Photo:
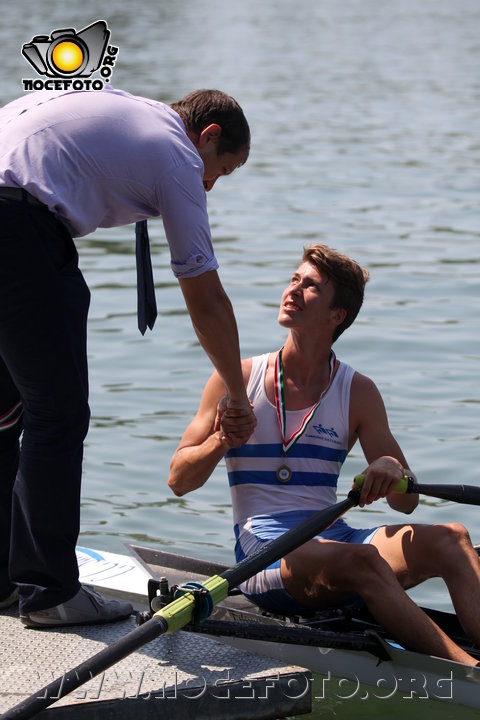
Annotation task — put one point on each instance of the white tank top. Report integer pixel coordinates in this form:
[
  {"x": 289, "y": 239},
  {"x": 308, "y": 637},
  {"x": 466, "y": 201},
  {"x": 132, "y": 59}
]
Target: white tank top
[{"x": 263, "y": 504}]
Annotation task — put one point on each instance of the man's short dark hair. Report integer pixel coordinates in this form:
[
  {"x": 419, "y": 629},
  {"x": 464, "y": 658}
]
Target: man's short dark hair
[{"x": 201, "y": 108}]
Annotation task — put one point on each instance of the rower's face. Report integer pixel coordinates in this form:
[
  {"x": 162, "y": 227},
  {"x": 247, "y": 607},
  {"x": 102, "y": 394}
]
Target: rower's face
[{"x": 307, "y": 299}]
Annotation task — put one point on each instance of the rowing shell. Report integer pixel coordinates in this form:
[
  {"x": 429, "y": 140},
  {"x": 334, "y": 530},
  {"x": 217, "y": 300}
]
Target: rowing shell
[{"x": 346, "y": 648}]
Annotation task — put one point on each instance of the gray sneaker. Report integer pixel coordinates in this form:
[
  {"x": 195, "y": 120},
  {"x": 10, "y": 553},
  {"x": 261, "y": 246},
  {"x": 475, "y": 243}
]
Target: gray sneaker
[
  {"x": 87, "y": 607},
  {"x": 11, "y": 599}
]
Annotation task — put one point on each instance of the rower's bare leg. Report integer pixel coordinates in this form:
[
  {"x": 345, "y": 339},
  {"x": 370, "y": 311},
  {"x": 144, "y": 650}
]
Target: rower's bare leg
[
  {"x": 418, "y": 552},
  {"x": 324, "y": 572}
]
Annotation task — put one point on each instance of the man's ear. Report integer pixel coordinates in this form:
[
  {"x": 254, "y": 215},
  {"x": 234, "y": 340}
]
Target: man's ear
[{"x": 210, "y": 133}]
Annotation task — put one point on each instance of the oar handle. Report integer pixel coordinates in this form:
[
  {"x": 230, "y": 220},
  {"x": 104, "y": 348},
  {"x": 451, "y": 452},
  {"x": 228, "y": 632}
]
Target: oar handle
[
  {"x": 406, "y": 485},
  {"x": 468, "y": 494}
]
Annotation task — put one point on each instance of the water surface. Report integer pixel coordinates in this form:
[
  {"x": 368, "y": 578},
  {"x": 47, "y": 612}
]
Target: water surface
[{"x": 365, "y": 127}]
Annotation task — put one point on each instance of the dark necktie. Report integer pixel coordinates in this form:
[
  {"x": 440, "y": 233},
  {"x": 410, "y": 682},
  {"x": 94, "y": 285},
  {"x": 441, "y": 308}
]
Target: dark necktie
[{"x": 146, "y": 304}]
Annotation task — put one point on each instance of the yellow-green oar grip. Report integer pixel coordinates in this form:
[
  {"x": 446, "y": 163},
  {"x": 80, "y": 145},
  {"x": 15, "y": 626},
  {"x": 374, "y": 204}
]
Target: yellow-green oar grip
[
  {"x": 400, "y": 488},
  {"x": 180, "y": 612}
]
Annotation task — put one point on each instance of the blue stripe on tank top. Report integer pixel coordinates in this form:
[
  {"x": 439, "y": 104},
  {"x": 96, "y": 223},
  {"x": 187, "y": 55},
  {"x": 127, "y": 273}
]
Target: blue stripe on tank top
[
  {"x": 268, "y": 477},
  {"x": 300, "y": 450}
]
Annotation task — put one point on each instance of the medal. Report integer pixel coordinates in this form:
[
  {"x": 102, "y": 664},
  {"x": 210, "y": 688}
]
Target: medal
[{"x": 284, "y": 473}]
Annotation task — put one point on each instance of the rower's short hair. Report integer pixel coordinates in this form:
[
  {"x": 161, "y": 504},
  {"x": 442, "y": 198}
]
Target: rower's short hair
[
  {"x": 348, "y": 277},
  {"x": 201, "y": 108}
]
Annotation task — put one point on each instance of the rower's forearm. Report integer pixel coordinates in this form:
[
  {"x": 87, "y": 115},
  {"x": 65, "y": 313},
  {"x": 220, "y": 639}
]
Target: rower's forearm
[{"x": 191, "y": 466}]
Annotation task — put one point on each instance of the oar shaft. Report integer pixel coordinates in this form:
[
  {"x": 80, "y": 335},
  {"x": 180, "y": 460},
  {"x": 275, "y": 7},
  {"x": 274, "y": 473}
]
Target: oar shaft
[{"x": 468, "y": 494}]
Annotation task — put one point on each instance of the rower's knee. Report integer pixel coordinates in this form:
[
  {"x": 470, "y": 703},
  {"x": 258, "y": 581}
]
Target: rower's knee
[
  {"x": 366, "y": 568},
  {"x": 445, "y": 548},
  {"x": 450, "y": 537}
]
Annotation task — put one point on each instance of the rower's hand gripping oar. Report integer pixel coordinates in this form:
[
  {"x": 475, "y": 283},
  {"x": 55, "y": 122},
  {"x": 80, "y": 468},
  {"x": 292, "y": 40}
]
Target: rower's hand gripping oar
[
  {"x": 181, "y": 611},
  {"x": 469, "y": 494}
]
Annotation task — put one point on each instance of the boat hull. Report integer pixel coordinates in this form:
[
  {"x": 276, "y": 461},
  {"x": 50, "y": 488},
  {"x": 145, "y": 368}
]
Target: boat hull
[{"x": 352, "y": 674}]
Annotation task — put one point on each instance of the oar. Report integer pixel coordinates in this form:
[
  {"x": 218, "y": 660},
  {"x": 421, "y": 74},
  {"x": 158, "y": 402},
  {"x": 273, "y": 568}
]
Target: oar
[
  {"x": 469, "y": 494},
  {"x": 178, "y": 613}
]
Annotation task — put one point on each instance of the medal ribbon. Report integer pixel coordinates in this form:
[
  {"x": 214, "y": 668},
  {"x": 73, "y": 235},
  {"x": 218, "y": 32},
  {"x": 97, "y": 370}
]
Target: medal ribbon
[{"x": 288, "y": 443}]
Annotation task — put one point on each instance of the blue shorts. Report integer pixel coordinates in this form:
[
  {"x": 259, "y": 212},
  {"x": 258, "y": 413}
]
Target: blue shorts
[{"x": 266, "y": 588}]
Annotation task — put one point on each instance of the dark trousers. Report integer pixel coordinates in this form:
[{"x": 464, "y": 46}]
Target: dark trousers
[{"x": 44, "y": 304}]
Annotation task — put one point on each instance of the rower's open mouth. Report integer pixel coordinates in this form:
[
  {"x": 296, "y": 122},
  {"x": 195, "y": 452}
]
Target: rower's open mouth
[{"x": 289, "y": 305}]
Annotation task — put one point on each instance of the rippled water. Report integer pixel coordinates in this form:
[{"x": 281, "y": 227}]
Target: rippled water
[{"x": 365, "y": 125}]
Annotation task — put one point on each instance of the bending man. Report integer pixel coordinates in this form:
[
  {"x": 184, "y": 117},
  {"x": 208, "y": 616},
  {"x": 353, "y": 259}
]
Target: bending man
[{"x": 71, "y": 162}]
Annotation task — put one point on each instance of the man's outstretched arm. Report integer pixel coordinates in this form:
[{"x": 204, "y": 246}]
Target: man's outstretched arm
[{"x": 214, "y": 322}]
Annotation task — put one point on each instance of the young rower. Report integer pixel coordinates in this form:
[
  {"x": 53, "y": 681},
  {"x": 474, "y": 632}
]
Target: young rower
[{"x": 311, "y": 409}]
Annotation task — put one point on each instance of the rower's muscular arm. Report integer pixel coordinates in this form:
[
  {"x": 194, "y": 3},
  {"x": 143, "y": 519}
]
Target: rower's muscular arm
[
  {"x": 201, "y": 447},
  {"x": 387, "y": 463},
  {"x": 204, "y": 443}
]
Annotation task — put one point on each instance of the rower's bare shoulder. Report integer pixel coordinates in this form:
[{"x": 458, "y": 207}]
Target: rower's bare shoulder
[
  {"x": 246, "y": 369},
  {"x": 362, "y": 384},
  {"x": 365, "y": 397}
]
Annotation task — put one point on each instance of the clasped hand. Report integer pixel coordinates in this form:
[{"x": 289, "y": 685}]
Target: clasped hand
[{"x": 235, "y": 420}]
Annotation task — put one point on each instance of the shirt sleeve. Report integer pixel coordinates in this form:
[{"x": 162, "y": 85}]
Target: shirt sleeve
[{"x": 183, "y": 204}]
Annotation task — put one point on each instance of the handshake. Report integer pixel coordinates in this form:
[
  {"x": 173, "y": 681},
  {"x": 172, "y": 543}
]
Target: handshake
[{"x": 235, "y": 421}]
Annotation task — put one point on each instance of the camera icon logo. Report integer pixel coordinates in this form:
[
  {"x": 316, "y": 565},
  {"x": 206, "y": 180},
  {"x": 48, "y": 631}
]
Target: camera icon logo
[{"x": 66, "y": 54}]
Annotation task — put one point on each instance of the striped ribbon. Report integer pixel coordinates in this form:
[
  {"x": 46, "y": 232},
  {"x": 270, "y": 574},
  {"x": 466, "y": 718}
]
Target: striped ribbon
[{"x": 288, "y": 443}]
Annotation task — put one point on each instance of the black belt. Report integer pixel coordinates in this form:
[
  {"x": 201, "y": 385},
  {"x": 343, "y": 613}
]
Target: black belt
[{"x": 19, "y": 195}]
